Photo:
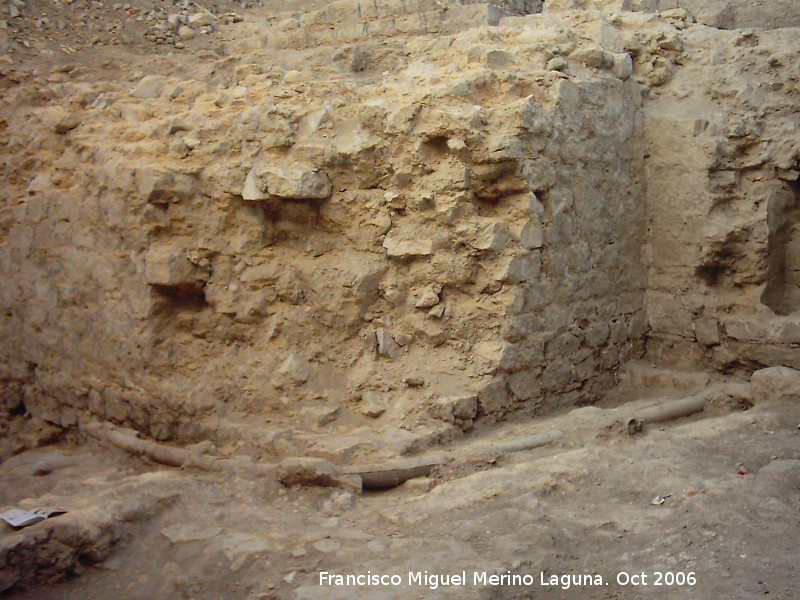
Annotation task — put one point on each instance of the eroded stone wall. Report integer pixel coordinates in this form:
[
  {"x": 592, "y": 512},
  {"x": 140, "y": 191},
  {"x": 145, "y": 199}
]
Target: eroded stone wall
[{"x": 364, "y": 228}]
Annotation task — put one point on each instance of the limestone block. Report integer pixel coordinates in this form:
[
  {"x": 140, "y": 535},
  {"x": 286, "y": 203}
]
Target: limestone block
[
  {"x": 706, "y": 330},
  {"x": 149, "y": 87},
  {"x": 452, "y": 409},
  {"x": 397, "y": 247},
  {"x": 387, "y": 346},
  {"x": 532, "y": 235},
  {"x": 622, "y": 65},
  {"x": 159, "y": 185},
  {"x": 290, "y": 182},
  {"x": 428, "y": 299},
  {"x": 169, "y": 267},
  {"x": 494, "y": 399},
  {"x": 499, "y": 59},
  {"x": 776, "y": 383},
  {"x": 591, "y": 56},
  {"x": 524, "y": 385}
]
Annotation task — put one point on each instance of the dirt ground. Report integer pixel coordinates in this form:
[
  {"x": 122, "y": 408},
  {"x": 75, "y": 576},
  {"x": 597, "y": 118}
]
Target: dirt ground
[{"x": 583, "y": 506}]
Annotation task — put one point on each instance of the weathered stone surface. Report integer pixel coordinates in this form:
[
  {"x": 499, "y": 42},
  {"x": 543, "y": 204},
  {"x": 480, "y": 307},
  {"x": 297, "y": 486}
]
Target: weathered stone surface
[
  {"x": 149, "y": 87},
  {"x": 776, "y": 383},
  {"x": 427, "y": 299},
  {"x": 288, "y": 182},
  {"x": 518, "y": 209},
  {"x": 169, "y": 267},
  {"x": 455, "y": 409},
  {"x": 68, "y": 123},
  {"x": 387, "y": 346},
  {"x": 402, "y": 248}
]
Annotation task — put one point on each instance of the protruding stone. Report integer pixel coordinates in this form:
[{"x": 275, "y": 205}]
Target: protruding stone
[
  {"x": 499, "y": 59},
  {"x": 532, "y": 235},
  {"x": 387, "y": 346},
  {"x": 372, "y": 405},
  {"x": 158, "y": 185},
  {"x": 706, "y": 331},
  {"x": 455, "y": 409},
  {"x": 149, "y": 87},
  {"x": 186, "y": 33},
  {"x": 406, "y": 248},
  {"x": 428, "y": 299},
  {"x": 437, "y": 312},
  {"x": 622, "y": 65},
  {"x": 266, "y": 182},
  {"x": 201, "y": 19},
  {"x": 591, "y": 56},
  {"x": 493, "y": 399},
  {"x": 68, "y": 123},
  {"x": 168, "y": 267},
  {"x": 776, "y": 383}
]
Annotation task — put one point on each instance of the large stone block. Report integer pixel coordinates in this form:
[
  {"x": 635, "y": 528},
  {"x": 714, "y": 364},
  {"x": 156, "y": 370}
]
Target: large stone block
[
  {"x": 170, "y": 268},
  {"x": 776, "y": 383},
  {"x": 286, "y": 181}
]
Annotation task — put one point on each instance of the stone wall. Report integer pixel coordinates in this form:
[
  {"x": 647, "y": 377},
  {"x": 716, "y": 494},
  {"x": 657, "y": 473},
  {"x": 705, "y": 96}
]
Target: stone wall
[
  {"x": 366, "y": 227},
  {"x": 723, "y": 201}
]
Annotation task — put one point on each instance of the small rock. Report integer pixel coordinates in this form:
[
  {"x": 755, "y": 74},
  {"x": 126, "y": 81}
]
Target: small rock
[
  {"x": 455, "y": 409},
  {"x": 414, "y": 382},
  {"x": 532, "y": 235},
  {"x": 290, "y": 182},
  {"x": 788, "y": 174},
  {"x": 176, "y": 125},
  {"x": 400, "y": 248},
  {"x": 149, "y": 87},
  {"x": 499, "y": 59},
  {"x": 403, "y": 339},
  {"x": 622, "y": 65},
  {"x": 202, "y": 19},
  {"x": 673, "y": 42},
  {"x": 372, "y": 405},
  {"x": 327, "y": 546},
  {"x": 68, "y": 123},
  {"x": 186, "y": 33},
  {"x": 319, "y": 416},
  {"x": 556, "y": 63},
  {"x": 418, "y": 485},
  {"x": 437, "y": 312},
  {"x": 591, "y": 56},
  {"x": 387, "y": 346},
  {"x": 776, "y": 383},
  {"x": 167, "y": 267},
  {"x": 428, "y": 299}
]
